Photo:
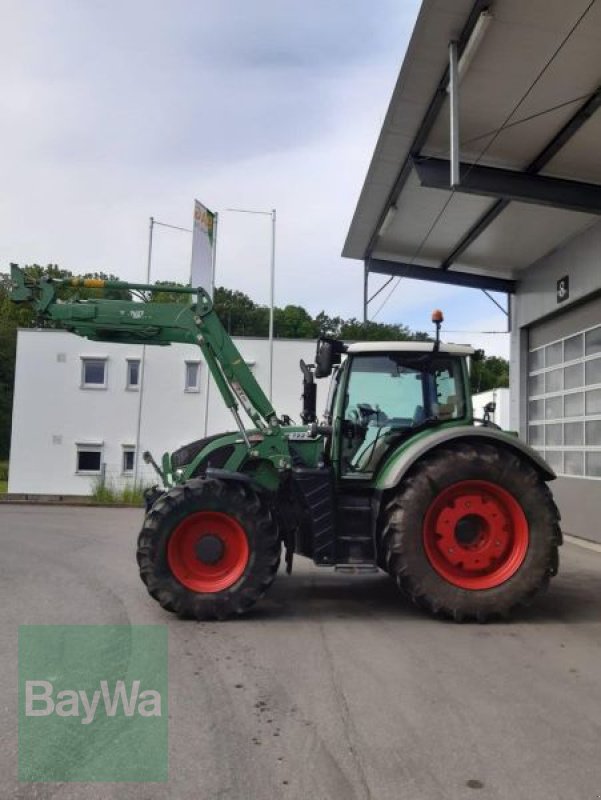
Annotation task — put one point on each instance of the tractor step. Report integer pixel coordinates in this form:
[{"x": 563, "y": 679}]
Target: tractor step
[
  {"x": 356, "y": 569},
  {"x": 354, "y": 542},
  {"x": 354, "y": 539}
]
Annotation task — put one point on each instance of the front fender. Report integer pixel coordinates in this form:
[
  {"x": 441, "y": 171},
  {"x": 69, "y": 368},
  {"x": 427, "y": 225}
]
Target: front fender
[{"x": 399, "y": 463}]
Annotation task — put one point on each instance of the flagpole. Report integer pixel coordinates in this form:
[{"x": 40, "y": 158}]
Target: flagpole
[
  {"x": 271, "y": 301},
  {"x": 142, "y": 368}
]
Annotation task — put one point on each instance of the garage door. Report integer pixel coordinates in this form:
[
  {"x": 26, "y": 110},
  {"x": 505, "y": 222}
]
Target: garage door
[{"x": 564, "y": 391}]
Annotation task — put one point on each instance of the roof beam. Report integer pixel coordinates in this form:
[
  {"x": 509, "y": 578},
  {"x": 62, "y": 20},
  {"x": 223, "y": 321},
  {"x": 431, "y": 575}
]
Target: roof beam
[
  {"x": 572, "y": 126},
  {"x": 422, "y": 273},
  {"x": 505, "y": 184}
]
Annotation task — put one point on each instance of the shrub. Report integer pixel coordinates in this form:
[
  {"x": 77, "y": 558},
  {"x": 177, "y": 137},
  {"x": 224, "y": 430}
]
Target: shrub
[{"x": 106, "y": 493}]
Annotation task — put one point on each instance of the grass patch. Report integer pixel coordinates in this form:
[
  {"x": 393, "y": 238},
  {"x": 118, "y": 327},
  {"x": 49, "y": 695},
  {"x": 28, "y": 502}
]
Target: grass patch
[
  {"x": 3, "y": 477},
  {"x": 106, "y": 493}
]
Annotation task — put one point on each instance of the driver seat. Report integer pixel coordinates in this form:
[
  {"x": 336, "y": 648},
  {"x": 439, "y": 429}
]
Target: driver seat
[{"x": 447, "y": 410}]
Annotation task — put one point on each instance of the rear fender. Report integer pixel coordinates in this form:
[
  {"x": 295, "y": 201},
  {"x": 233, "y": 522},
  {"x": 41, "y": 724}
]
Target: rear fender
[{"x": 399, "y": 464}]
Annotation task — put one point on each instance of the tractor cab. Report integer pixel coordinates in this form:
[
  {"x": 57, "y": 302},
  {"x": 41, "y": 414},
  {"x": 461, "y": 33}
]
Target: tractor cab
[{"x": 384, "y": 392}]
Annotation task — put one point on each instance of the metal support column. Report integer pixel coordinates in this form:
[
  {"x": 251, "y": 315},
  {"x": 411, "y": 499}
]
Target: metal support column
[
  {"x": 142, "y": 369},
  {"x": 454, "y": 114}
]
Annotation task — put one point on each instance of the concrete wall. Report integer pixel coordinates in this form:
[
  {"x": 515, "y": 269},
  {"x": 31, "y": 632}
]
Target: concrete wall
[
  {"x": 502, "y": 399},
  {"x": 52, "y": 413}
]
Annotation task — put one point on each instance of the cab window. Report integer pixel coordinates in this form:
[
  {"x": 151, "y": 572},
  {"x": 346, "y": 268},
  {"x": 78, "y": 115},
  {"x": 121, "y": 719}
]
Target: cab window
[
  {"x": 388, "y": 394},
  {"x": 447, "y": 400}
]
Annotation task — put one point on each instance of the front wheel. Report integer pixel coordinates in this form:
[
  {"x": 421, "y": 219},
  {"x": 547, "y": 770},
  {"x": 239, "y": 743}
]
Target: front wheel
[
  {"x": 472, "y": 532},
  {"x": 208, "y": 549}
]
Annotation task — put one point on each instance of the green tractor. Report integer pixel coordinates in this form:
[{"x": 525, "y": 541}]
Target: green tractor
[{"x": 398, "y": 475}]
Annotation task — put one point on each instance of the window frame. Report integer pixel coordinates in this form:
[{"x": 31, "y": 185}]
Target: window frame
[
  {"x": 129, "y": 386},
  {"x": 187, "y": 387},
  {"x": 126, "y": 449},
  {"x": 94, "y": 386},
  {"x": 90, "y": 447}
]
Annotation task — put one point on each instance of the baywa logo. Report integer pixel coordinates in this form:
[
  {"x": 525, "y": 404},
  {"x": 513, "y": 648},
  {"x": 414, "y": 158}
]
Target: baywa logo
[
  {"x": 40, "y": 701},
  {"x": 93, "y": 703}
]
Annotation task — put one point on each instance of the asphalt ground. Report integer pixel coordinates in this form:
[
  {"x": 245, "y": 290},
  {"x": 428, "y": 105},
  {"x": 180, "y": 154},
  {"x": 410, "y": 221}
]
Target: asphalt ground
[{"x": 332, "y": 687}]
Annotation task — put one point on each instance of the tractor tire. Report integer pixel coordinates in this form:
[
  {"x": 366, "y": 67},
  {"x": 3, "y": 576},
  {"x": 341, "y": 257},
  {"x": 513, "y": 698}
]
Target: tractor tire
[
  {"x": 208, "y": 549},
  {"x": 472, "y": 532}
]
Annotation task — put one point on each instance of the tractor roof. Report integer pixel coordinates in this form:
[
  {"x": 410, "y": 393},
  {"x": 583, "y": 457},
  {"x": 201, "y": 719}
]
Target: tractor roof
[{"x": 409, "y": 347}]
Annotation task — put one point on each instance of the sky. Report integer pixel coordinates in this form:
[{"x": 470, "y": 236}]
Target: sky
[{"x": 114, "y": 111}]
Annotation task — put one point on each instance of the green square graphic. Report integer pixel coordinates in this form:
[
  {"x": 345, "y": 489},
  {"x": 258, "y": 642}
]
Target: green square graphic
[{"x": 93, "y": 703}]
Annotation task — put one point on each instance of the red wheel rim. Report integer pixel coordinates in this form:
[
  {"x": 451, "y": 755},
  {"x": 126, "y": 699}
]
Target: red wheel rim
[
  {"x": 475, "y": 535},
  {"x": 208, "y": 551}
]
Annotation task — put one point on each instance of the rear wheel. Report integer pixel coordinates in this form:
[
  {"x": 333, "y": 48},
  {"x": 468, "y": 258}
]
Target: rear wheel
[
  {"x": 472, "y": 532},
  {"x": 208, "y": 549}
]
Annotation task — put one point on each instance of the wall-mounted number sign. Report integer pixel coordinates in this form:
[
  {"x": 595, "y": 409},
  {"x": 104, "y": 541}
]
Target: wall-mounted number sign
[{"x": 563, "y": 289}]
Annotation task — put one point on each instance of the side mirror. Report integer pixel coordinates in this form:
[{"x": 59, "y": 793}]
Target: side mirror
[
  {"x": 489, "y": 409},
  {"x": 328, "y": 354}
]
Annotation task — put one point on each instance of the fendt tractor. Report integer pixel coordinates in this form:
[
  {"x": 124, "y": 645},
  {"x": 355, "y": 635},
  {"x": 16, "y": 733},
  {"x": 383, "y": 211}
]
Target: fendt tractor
[{"x": 398, "y": 475}]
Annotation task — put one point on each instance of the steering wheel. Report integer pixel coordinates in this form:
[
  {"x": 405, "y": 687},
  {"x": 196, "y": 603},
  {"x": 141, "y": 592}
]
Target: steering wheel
[{"x": 363, "y": 413}]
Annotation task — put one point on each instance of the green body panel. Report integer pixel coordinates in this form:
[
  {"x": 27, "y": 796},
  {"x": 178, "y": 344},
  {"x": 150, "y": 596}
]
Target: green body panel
[
  {"x": 166, "y": 473},
  {"x": 393, "y": 458},
  {"x": 413, "y": 451},
  {"x": 337, "y": 415},
  {"x": 259, "y": 459}
]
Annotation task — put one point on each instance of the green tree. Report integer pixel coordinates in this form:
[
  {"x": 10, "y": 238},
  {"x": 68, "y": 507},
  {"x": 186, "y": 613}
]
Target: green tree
[
  {"x": 240, "y": 315},
  {"x": 354, "y": 330},
  {"x": 488, "y": 372},
  {"x": 169, "y": 297},
  {"x": 294, "y": 322}
]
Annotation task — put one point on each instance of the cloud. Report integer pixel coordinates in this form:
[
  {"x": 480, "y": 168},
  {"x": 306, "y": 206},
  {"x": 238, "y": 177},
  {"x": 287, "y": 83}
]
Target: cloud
[{"x": 118, "y": 111}]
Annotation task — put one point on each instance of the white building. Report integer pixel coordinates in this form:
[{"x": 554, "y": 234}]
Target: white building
[
  {"x": 77, "y": 404},
  {"x": 500, "y": 397}
]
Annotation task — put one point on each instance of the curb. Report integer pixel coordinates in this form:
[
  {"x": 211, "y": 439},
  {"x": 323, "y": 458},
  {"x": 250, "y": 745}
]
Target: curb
[{"x": 59, "y": 500}]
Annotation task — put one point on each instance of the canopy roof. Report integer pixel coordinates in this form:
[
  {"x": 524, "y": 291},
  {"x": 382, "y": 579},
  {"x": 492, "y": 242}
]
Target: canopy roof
[{"x": 529, "y": 133}]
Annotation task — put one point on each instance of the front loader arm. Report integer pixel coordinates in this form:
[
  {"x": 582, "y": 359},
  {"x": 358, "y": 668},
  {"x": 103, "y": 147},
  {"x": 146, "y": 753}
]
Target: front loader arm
[{"x": 132, "y": 322}]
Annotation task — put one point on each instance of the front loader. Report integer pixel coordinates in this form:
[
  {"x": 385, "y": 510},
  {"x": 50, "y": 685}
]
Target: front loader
[{"x": 398, "y": 476}]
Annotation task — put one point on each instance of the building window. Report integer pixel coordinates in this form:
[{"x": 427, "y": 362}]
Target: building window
[
  {"x": 133, "y": 374},
  {"x": 192, "y": 376},
  {"x": 128, "y": 460},
  {"x": 93, "y": 373},
  {"x": 89, "y": 459},
  {"x": 564, "y": 403}
]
